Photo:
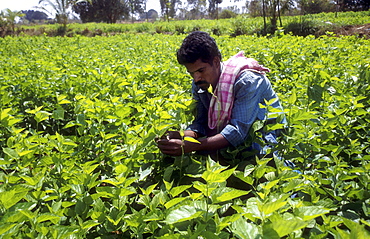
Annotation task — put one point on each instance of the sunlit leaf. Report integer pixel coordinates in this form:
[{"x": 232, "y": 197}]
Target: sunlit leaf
[{"x": 183, "y": 213}]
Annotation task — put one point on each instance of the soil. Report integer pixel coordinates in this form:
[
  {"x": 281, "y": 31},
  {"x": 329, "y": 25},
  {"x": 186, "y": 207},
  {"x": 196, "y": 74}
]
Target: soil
[{"x": 360, "y": 31}]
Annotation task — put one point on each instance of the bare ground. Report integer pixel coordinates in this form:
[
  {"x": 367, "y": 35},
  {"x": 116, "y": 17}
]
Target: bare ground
[{"x": 359, "y": 30}]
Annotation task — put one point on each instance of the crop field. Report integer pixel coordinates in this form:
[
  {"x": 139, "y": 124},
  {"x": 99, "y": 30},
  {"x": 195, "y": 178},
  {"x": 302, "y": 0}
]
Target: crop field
[{"x": 78, "y": 158}]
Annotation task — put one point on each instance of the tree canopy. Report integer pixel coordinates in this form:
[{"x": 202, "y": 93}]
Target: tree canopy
[
  {"x": 32, "y": 15},
  {"x": 102, "y": 10}
]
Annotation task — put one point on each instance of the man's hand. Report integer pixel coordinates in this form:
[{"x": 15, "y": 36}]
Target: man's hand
[
  {"x": 174, "y": 147},
  {"x": 171, "y": 135},
  {"x": 173, "y": 144}
]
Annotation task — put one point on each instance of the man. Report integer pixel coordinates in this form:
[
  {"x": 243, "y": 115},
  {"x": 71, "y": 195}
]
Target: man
[{"x": 228, "y": 97}]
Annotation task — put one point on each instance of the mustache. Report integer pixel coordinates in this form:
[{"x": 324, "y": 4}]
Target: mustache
[{"x": 201, "y": 82}]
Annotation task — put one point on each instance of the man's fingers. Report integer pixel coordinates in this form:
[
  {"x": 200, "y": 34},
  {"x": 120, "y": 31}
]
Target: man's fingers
[
  {"x": 174, "y": 135},
  {"x": 170, "y": 147}
]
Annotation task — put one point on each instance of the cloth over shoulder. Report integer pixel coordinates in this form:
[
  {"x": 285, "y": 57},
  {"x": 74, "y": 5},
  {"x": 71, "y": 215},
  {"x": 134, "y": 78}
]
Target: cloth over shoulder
[{"x": 221, "y": 104}]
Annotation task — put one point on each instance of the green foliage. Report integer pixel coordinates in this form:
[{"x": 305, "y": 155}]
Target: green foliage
[
  {"x": 303, "y": 28},
  {"x": 227, "y": 14},
  {"x": 240, "y": 25},
  {"x": 78, "y": 159}
]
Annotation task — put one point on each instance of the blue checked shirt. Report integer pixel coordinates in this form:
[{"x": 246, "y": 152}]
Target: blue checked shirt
[{"x": 250, "y": 89}]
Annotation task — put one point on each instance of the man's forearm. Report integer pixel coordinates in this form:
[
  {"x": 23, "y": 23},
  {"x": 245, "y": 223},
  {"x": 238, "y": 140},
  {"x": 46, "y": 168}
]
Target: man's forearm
[{"x": 215, "y": 142}]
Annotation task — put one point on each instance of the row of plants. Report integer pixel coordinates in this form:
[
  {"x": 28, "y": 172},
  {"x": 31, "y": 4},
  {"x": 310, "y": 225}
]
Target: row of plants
[
  {"x": 79, "y": 117},
  {"x": 314, "y": 24}
]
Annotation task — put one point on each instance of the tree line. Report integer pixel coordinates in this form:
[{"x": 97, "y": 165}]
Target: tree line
[{"x": 111, "y": 11}]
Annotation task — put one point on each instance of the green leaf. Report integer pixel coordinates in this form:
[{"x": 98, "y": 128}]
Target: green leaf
[
  {"x": 217, "y": 177},
  {"x": 4, "y": 113},
  {"x": 89, "y": 224},
  {"x": 6, "y": 227},
  {"x": 27, "y": 213},
  {"x": 179, "y": 189},
  {"x": 143, "y": 173},
  {"x": 206, "y": 189},
  {"x": 210, "y": 89},
  {"x": 251, "y": 211},
  {"x": 310, "y": 212},
  {"x": 170, "y": 236},
  {"x": 105, "y": 192},
  {"x": 191, "y": 139},
  {"x": 149, "y": 189},
  {"x": 12, "y": 197},
  {"x": 271, "y": 207},
  {"x": 357, "y": 230},
  {"x": 244, "y": 229},
  {"x": 226, "y": 194},
  {"x": 64, "y": 231},
  {"x": 281, "y": 227},
  {"x": 293, "y": 97},
  {"x": 11, "y": 152},
  {"x": 302, "y": 115},
  {"x": 183, "y": 213},
  {"x": 148, "y": 139},
  {"x": 58, "y": 114},
  {"x": 120, "y": 168},
  {"x": 41, "y": 116},
  {"x": 80, "y": 119},
  {"x": 168, "y": 185},
  {"x": 173, "y": 202},
  {"x": 247, "y": 179},
  {"x": 48, "y": 217}
]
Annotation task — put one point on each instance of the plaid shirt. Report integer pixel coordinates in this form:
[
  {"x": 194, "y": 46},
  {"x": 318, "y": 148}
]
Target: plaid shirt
[{"x": 250, "y": 89}]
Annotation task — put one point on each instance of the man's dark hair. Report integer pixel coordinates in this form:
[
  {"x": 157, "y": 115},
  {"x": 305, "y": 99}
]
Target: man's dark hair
[{"x": 198, "y": 45}]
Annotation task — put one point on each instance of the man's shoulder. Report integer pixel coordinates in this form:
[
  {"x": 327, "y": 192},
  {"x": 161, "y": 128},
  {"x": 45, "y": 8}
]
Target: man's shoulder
[{"x": 250, "y": 76}]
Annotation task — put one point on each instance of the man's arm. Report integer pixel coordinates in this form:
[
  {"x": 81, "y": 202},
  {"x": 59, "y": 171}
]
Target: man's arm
[
  {"x": 250, "y": 90},
  {"x": 176, "y": 147}
]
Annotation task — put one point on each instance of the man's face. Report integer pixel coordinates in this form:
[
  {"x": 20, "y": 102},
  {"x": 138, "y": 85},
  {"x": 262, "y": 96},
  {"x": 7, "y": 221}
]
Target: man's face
[{"x": 204, "y": 74}]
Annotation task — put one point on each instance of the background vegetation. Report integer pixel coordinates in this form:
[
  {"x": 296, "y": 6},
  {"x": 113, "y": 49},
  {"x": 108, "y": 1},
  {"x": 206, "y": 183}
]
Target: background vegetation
[
  {"x": 313, "y": 24},
  {"x": 271, "y": 12}
]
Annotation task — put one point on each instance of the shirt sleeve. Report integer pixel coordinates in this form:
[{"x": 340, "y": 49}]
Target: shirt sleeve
[{"x": 250, "y": 90}]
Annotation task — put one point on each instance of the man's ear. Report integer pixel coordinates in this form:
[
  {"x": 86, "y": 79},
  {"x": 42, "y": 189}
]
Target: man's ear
[{"x": 217, "y": 61}]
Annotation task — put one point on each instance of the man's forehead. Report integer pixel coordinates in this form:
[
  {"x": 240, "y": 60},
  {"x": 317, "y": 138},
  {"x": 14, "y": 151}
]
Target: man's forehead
[{"x": 196, "y": 66}]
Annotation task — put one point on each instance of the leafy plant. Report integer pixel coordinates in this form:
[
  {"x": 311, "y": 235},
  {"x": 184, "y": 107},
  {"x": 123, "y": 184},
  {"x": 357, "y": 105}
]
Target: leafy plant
[{"x": 78, "y": 158}]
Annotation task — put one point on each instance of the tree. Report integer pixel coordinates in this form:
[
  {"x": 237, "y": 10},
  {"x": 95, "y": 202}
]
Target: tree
[
  {"x": 101, "y": 10},
  {"x": 8, "y": 18},
  {"x": 61, "y": 8},
  {"x": 315, "y": 6},
  {"x": 32, "y": 15},
  {"x": 271, "y": 9},
  {"x": 255, "y": 8},
  {"x": 86, "y": 11},
  {"x": 169, "y": 8},
  {"x": 197, "y": 9},
  {"x": 136, "y": 6},
  {"x": 354, "y": 5},
  {"x": 227, "y": 13},
  {"x": 213, "y": 8},
  {"x": 149, "y": 15}
]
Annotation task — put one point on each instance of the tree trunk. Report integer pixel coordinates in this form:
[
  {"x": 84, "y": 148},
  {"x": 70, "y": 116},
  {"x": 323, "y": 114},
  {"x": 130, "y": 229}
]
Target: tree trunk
[
  {"x": 264, "y": 16},
  {"x": 279, "y": 14}
]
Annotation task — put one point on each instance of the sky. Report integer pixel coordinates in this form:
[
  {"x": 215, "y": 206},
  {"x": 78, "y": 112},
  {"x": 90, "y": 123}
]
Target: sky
[{"x": 18, "y": 5}]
